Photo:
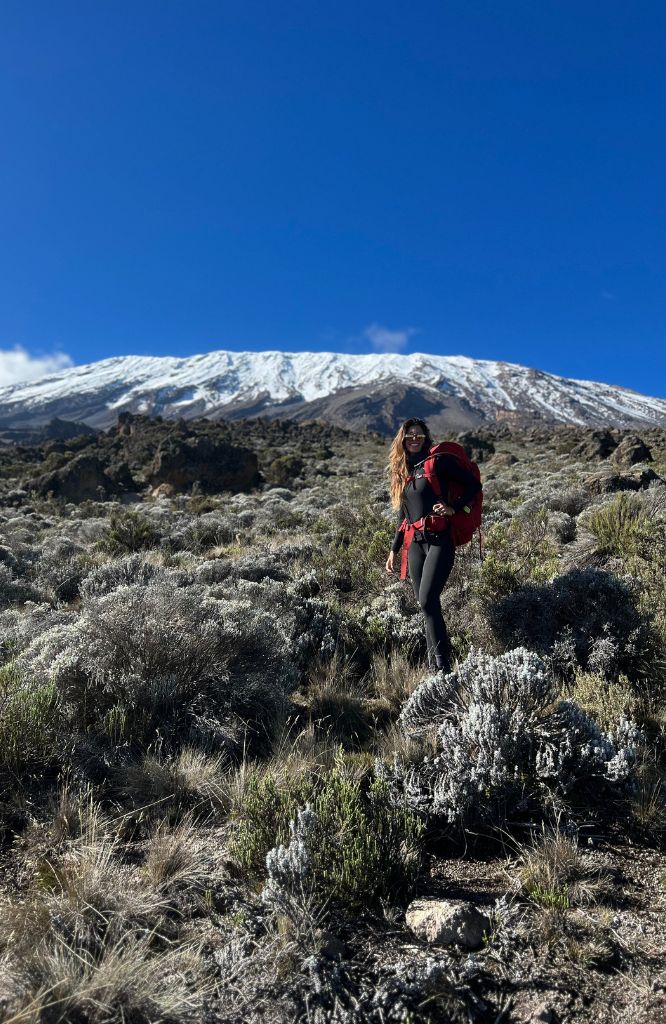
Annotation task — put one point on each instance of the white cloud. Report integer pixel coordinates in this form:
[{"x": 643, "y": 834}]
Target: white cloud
[
  {"x": 18, "y": 365},
  {"x": 383, "y": 339}
]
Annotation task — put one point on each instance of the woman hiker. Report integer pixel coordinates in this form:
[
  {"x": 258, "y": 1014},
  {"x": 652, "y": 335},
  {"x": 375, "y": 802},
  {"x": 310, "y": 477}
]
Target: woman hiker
[{"x": 431, "y": 549}]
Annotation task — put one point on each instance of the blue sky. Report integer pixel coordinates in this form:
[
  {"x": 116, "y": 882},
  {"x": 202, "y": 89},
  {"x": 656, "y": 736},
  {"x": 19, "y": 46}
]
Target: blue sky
[{"x": 470, "y": 178}]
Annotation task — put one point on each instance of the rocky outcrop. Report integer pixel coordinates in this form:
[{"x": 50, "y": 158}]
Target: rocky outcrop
[
  {"x": 630, "y": 451},
  {"x": 82, "y": 478},
  {"x": 204, "y": 464},
  {"x": 610, "y": 483},
  {"x": 56, "y": 429},
  {"x": 597, "y": 444},
  {"x": 478, "y": 447}
]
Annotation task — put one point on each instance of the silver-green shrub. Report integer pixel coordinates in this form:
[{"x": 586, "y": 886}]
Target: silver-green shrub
[
  {"x": 288, "y": 868},
  {"x": 309, "y": 626},
  {"x": 504, "y": 738},
  {"x": 154, "y": 656},
  {"x": 586, "y": 606},
  {"x": 61, "y": 568},
  {"x": 128, "y": 571},
  {"x": 14, "y": 590},
  {"x": 393, "y": 620}
]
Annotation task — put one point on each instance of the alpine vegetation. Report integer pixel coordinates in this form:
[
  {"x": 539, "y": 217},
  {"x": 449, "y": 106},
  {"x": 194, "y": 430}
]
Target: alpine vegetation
[
  {"x": 230, "y": 786},
  {"x": 504, "y": 740}
]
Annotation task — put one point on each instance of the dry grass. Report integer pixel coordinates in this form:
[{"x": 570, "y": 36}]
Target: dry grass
[
  {"x": 393, "y": 679},
  {"x": 190, "y": 779},
  {"x": 553, "y": 873},
  {"x": 125, "y": 981},
  {"x": 176, "y": 859},
  {"x": 336, "y": 704},
  {"x": 85, "y": 942},
  {"x": 393, "y": 743},
  {"x": 298, "y": 754},
  {"x": 89, "y": 892},
  {"x": 648, "y": 801}
]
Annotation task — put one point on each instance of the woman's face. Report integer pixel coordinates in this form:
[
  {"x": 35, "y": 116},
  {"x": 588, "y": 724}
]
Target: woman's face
[{"x": 414, "y": 439}]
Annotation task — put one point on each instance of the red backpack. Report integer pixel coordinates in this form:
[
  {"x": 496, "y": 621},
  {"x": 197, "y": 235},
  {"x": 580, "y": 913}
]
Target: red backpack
[{"x": 463, "y": 524}]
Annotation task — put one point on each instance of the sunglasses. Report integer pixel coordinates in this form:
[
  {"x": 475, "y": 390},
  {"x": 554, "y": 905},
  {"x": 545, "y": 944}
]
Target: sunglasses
[{"x": 414, "y": 437}]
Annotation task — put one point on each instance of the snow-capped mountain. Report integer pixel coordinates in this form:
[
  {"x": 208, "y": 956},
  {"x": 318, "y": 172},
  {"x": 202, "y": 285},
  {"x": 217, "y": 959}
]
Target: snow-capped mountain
[{"x": 374, "y": 391}]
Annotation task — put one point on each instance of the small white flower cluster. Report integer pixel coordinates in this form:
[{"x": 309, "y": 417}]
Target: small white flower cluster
[{"x": 288, "y": 867}]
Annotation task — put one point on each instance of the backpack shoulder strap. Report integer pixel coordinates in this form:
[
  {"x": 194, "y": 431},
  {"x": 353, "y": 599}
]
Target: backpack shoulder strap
[{"x": 430, "y": 468}]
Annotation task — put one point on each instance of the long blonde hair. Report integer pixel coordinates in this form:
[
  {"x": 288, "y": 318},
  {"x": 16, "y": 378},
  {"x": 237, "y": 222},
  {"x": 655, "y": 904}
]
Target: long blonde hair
[{"x": 397, "y": 469}]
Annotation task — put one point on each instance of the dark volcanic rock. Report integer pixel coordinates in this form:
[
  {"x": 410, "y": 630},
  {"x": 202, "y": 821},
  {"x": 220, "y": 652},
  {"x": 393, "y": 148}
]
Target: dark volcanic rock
[
  {"x": 211, "y": 465},
  {"x": 383, "y": 406},
  {"x": 478, "y": 447},
  {"x": 630, "y": 451},
  {"x": 597, "y": 444},
  {"x": 80, "y": 479},
  {"x": 121, "y": 476},
  {"x": 609, "y": 483},
  {"x": 56, "y": 429}
]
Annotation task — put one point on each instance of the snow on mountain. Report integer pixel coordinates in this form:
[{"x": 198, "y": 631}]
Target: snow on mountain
[{"x": 274, "y": 383}]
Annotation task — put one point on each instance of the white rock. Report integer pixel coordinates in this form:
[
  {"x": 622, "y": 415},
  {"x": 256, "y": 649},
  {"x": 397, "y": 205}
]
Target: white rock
[{"x": 444, "y": 922}]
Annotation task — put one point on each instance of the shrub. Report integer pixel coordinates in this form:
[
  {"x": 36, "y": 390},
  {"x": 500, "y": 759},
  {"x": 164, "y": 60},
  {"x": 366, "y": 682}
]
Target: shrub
[
  {"x": 28, "y": 719},
  {"x": 131, "y": 570},
  {"x": 283, "y": 470},
  {"x": 61, "y": 568},
  {"x": 358, "y": 538},
  {"x": 367, "y": 846},
  {"x": 354, "y": 845},
  {"x": 199, "y": 535},
  {"x": 563, "y": 526},
  {"x": 607, "y": 701},
  {"x": 128, "y": 531},
  {"x": 616, "y": 525},
  {"x": 571, "y": 501},
  {"x": 393, "y": 622},
  {"x": 580, "y": 609},
  {"x": 144, "y": 658},
  {"x": 256, "y": 566},
  {"x": 13, "y": 590},
  {"x": 19, "y": 628},
  {"x": 263, "y": 819},
  {"x": 308, "y": 625},
  {"x": 503, "y": 738},
  {"x": 517, "y": 551},
  {"x": 648, "y": 564}
]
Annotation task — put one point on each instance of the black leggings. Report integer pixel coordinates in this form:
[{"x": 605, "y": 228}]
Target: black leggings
[{"x": 430, "y": 566}]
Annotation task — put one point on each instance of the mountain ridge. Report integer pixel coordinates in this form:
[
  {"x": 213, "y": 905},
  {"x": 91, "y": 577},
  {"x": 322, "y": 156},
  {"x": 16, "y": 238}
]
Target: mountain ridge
[{"x": 373, "y": 391}]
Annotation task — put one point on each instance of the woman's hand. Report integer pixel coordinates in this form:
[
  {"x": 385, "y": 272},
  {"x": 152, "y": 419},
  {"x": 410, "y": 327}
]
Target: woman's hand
[
  {"x": 390, "y": 562},
  {"x": 443, "y": 510}
]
